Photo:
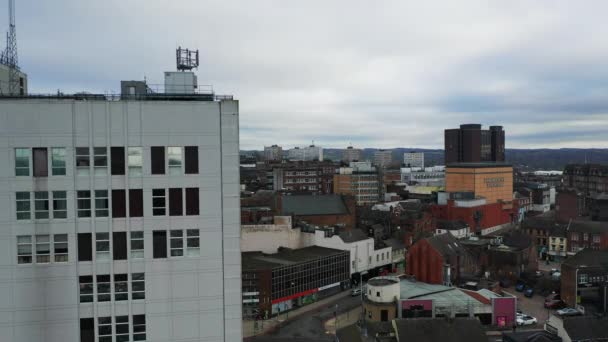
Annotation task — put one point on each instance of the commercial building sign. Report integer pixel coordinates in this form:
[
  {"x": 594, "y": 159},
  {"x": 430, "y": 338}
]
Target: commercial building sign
[{"x": 495, "y": 182}]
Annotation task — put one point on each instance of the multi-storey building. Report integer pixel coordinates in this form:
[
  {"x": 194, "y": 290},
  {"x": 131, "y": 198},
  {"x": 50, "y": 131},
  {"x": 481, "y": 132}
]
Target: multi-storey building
[
  {"x": 413, "y": 159},
  {"x": 383, "y": 158},
  {"x": 430, "y": 176},
  {"x": 586, "y": 178},
  {"x": 360, "y": 180},
  {"x": 120, "y": 218},
  {"x": 311, "y": 177},
  {"x": 308, "y": 153},
  {"x": 351, "y": 154},
  {"x": 471, "y": 144},
  {"x": 586, "y": 234},
  {"x": 273, "y": 153}
]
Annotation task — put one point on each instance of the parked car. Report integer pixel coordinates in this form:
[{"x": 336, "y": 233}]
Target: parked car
[
  {"x": 553, "y": 270},
  {"x": 538, "y": 274},
  {"x": 569, "y": 312},
  {"x": 357, "y": 291},
  {"x": 529, "y": 292},
  {"x": 556, "y": 275},
  {"x": 525, "y": 320},
  {"x": 552, "y": 296},
  {"x": 520, "y": 287},
  {"x": 555, "y": 304}
]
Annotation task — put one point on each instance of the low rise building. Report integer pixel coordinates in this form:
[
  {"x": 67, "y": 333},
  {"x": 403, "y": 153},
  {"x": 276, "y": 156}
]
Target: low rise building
[
  {"x": 578, "y": 329},
  {"x": 440, "y": 259},
  {"x": 291, "y": 278},
  {"x": 458, "y": 229},
  {"x": 584, "y": 277},
  {"x": 586, "y": 178},
  {"x": 586, "y": 234},
  {"x": 429, "y": 176}
]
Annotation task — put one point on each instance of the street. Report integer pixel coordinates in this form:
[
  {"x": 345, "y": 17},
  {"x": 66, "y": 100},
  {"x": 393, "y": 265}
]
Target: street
[{"x": 308, "y": 327}]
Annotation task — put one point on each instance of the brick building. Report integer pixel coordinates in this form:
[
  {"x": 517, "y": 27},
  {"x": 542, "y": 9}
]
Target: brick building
[
  {"x": 361, "y": 180},
  {"x": 482, "y": 217},
  {"x": 492, "y": 181},
  {"x": 471, "y": 144},
  {"x": 304, "y": 176},
  {"x": 586, "y": 234},
  {"x": 440, "y": 259},
  {"x": 591, "y": 269},
  {"x": 587, "y": 178}
]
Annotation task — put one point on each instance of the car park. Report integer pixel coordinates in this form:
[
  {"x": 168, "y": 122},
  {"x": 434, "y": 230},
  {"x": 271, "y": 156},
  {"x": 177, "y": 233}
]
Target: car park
[
  {"x": 555, "y": 304},
  {"x": 525, "y": 320},
  {"x": 520, "y": 287},
  {"x": 529, "y": 292}
]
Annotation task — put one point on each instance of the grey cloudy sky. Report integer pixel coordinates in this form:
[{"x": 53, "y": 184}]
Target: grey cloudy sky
[{"x": 377, "y": 74}]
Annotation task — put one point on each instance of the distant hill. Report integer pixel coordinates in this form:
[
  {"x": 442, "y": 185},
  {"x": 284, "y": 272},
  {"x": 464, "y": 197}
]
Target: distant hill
[{"x": 535, "y": 159}]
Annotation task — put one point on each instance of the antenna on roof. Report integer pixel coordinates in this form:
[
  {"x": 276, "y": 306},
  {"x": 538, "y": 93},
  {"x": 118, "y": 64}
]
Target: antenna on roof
[{"x": 186, "y": 59}]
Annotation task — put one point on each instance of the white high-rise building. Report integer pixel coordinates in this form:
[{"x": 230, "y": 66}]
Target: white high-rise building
[
  {"x": 383, "y": 158},
  {"x": 273, "y": 153},
  {"x": 351, "y": 154},
  {"x": 120, "y": 218},
  {"x": 308, "y": 153},
  {"x": 413, "y": 159}
]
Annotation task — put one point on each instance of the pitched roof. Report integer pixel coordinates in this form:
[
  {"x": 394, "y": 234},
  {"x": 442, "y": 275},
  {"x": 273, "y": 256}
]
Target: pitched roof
[
  {"x": 530, "y": 336},
  {"x": 588, "y": 257},
  {"x": 588, "y": 226},
  {"x": 439, "y": 329},
  {"x": 395, "y": 244},
  {"x": 447, "y": 245},
  {"x": 586, "y": 328},
  {"x": 303, "y": 205},
  {"x": 260, "y": 261}
]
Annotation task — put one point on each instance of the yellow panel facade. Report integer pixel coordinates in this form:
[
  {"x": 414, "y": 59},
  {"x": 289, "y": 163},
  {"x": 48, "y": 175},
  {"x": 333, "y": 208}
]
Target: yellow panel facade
[{"x": 493, "y": 183}]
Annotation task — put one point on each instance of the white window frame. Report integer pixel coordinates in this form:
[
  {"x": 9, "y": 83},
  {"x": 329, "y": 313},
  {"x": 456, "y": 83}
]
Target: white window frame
[
  {"x": 122, "y": 323},
  {"x": 102, "y": 203},
  {"x": 175, "y": 160},
  {"x": 136, "y": 238},
  {"x": 121, "y": 287},
  {"x": 156, "y": 209},
  {"x": 81, "y": 195},
  {"x": 24, "y": 249},
  {"x": 79, "y": 153},
  {"x": 100, "y": 160},
  {"x": 60, "y": 248},
  {"x": 60, "y": 197},
  {"x": 23, "y": 214},
  {"x": 58, "y": 157},
  {"x": 138, "y": 280},
  {"x": 139, "y": 329},
  {"x": 41, "y": 205},
  {"x": 135, "y": 160},
  {"x": 43, "y": 249},
  {"x": 193, "y": 242},
  {"x": 177, "y": 237},
  {"x": 107, "y": 287},
  {"x": 102, "y": 239},
  {"x": 86, "y": 290},
  {"x": 21, "y": 169},
  {"x": 102, "y": 324}
]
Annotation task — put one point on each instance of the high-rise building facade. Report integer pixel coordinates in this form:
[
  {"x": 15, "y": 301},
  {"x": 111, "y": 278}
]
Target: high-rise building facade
[
  {"x": 413, "y": 159},
  {"x": 361, "y": 180},
  {"x": 471, "y": 144},
  {"x": 351, "y": 154},
  {"x": 273, "y": 153},
  {"x": 308, "y": 153},
  {"x": 383, "y": 158},
  {"x": 120, "y": 219}
]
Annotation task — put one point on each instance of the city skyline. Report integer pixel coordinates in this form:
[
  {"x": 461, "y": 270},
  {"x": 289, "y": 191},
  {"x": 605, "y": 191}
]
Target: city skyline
[{"x": 386, "y": 76}]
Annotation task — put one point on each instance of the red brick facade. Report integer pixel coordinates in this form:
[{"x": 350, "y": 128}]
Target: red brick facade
[
  {"x": 424, "y": 263},
  {"x": 492, "y": 214}
]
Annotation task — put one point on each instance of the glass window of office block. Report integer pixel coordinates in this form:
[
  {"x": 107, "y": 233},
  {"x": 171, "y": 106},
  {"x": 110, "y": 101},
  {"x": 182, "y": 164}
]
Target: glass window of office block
[
  {"x": 22, "y": 161},
  {"x": 177, "y": 243},
  {"x": 60, "y": 247},
  {"x": 43, "y": 249},
  {"x": 41, "y": 205},
  {"x": 24, "y": 207},
  {"x": 60, "y": 205},
  {"x": 121, "y": 287},
  {"x": 135, "y": 160},
  {"x": 159, "y": 204},
  {"x": 86, "y": 289},
  {"x": 83, "y": 161},
  {"x": 104, "y": 292},
  {"x": 24, "y": 249},
  {"x": 137, "y": 244},
  {"x": 104, "y": 329},
  {"x": 122, "y": 328},
  {"x": 193, "y": 242},
  {"x": 101, "y": 203},
  {"x": 139, "y": 327},
  {"x": 100, "y": 160},
  {"x": 83, "y": 203},
  {"x": 175, "y": 156},
  {"x": 102, "y": 246},
  {"x": 138, "y": 286},
  {"x": 58, "y": 155}
]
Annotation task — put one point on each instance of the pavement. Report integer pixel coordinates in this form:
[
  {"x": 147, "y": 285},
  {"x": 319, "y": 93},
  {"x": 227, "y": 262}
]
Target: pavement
[{"x": 303, "y": 324}]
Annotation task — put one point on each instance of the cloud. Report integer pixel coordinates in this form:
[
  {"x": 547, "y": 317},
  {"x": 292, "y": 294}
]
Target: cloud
[{"x": 383, "y": 74}]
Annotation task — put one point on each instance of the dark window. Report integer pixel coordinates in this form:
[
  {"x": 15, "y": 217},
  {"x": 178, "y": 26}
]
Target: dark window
[
  {"x": 118, "y": 203},
  {"x": 87, "y": 330},
  {"x": 158, "y": 160},
  {"x": 136, "y": 203},
  {"x": 175, "y": 202},
  {"x": 159, "y": 244},
  {"x": 192, "y": 201},
  {"x": 191, "y": 162},
  {"x": 85, "y": 247},
  {"x": 118, "y": 160},
  {"x": 41, "y": 162},
  {"x": 119, "y": 245}
]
